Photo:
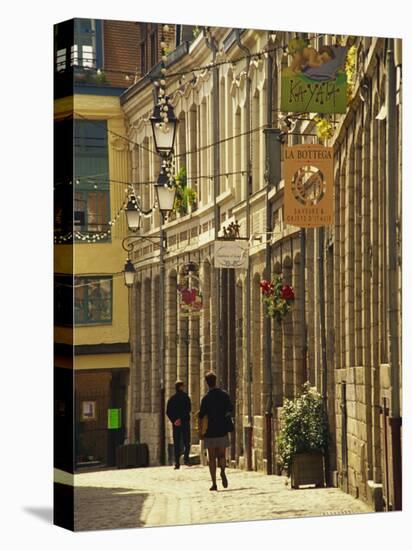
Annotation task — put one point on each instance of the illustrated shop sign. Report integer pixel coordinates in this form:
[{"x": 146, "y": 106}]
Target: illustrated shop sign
[
  {"x": 231, "y": 254},
  {"x": 315, "y": 80},
  {"x": 308, "y": 171},
  {"x": 190, "y": 296}
]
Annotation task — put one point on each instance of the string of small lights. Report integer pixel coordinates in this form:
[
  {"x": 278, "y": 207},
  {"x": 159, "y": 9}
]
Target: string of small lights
[
  {"x": 286, "y": 123},
  {"x": 163, "y": 103},
  {"x": 193, "y": 179},
  {"x": 165, "y": 100},
  {"x": 103, "y": 277},
  {"x": 94, "y": 237},
  {"x": 103, "y": 235},
  {"x": 209, "y": 66},
  {"x": 91, "y": 177}
]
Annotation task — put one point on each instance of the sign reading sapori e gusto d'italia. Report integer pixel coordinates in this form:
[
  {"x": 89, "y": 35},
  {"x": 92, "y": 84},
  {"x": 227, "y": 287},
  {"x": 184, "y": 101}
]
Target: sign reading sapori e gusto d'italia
[{"x": 308, "y": 171}]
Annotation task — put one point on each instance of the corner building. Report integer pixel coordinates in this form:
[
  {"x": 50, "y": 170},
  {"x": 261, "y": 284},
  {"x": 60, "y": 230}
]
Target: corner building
[{"x": 94, "y": 62}]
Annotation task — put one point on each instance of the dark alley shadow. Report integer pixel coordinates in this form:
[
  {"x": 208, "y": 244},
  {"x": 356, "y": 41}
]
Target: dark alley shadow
[
  {"x": 238, "y": 489},
  {"x": 107, "y": 508},
  {"x": 45, "y": 514},
  {"x": 289, "y": 513}
]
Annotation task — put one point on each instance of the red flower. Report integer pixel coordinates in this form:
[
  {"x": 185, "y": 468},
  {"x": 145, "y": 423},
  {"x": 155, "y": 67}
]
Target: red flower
[
  {"x": 266, "y": 286},
  {"x": 188, "y": 296},
  {"x": 287, "y": 293}
]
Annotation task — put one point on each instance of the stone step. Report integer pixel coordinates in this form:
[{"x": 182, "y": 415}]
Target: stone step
[
  {"x": 194, "y": 458},
  {"x": 195, "y": 454}
]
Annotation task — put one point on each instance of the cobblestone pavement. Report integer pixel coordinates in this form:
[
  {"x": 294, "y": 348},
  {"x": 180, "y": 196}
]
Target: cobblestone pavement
[{"x": 162, "y": 496}]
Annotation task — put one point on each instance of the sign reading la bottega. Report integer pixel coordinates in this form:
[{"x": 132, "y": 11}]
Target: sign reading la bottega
[{"x": 308, "y": 173}]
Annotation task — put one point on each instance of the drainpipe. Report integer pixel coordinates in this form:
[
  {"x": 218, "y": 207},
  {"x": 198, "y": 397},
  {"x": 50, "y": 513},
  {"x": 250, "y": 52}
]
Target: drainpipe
[
  {"x": 211, "y": 44},
  {"x": 395, "y": 419},
  {"x": 162, "y": 396},
  {"x": 302, "y": 269},
  {"x": 322, "y": 326},
  {"x": 267, "y": 325},
  {"x": 249, "y": 427}
]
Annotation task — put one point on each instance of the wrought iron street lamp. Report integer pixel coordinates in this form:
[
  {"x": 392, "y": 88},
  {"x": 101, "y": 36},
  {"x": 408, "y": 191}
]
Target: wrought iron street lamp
[
  {"x": 164, "y": 130},
  {"x": 129, "y": 272},
  {"x": 191, "y": 267},
  {"x": 133, "y": 216},
  {"x": 165, "y": 193},
  {"x": 164, "y": 125}
]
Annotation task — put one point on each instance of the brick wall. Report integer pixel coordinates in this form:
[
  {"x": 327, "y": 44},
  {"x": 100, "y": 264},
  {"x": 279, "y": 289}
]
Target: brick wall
[{"x": 121, "y": 51}]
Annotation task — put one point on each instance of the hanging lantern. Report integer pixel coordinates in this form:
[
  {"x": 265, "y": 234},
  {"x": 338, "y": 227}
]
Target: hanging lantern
[
  {"x": 132, "y": 216},
  {"x": 164, "y": 133},
  {"x": 191, "y": 267},
  {"x": 165, "y": 193},
  {"x": 129, "y": 272}
]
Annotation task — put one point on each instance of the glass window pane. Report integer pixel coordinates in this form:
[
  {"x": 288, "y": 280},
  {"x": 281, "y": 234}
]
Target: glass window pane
[
  {"x": 91, "y": 153},
  {"x": 99, "y": 301},
  {"x": 92, "y": 211},
  {"x": 80, "y": 300},
  {"x": 80, "y": 205},
  {"x": 93, "y": 300},
  {"x": 74, "y": 57},
  {"x": 61, "y": 60},
  {"x": 84, "y": 26},
  {"x": 102, "y": 210},
  {"x": 88, "y": 60},
  {"x": 85, "y": 42}
]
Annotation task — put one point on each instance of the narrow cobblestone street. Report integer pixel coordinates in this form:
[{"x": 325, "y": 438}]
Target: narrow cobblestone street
[{"x": 162, "y": 496}]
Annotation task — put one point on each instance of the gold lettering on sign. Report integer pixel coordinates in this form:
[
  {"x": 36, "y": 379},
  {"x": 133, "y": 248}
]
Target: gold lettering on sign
[{"x": 308, "y": 197}]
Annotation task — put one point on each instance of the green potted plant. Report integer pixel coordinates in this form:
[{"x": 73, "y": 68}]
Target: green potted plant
[
  {"x": 303, "y": 438},
  {"x": 185, "y": 196}
]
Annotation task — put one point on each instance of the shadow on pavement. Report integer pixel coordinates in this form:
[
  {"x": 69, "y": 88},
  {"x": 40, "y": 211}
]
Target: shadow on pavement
[
  {"x": 238, "y": 489},
  {"x": 107, "y": 508}
]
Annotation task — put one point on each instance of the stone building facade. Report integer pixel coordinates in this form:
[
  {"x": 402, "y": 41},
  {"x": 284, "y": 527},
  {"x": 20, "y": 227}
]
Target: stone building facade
[{"x": 234, "y": 102}]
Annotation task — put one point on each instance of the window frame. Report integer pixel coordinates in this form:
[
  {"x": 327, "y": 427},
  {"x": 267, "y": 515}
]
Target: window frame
[
  {"x": 86, "y": 147},
  {"x": 153, "y": 46},
  {"x": 87, "y": 226},
  {"x": 86, "y": 281},
  {"x": 81, "y": 41},
  {"x": 69, "y": 53}
]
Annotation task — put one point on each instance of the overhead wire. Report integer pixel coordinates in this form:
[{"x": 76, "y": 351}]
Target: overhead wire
[
  {"x": 213, "y": 65},
  {"x": 192, "y": 70},
  {"x": 196, "y": 150}
]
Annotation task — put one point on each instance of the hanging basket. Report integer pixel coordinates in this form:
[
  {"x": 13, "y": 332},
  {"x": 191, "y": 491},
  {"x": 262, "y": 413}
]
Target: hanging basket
[{"x": 278, "y": 297}]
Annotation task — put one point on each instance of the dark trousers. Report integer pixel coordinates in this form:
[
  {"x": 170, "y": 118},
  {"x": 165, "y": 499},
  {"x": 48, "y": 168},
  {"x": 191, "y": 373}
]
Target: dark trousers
[{"x": 181, "y": 439}]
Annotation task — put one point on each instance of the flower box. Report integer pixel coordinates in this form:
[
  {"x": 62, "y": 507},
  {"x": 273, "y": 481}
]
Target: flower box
[{"x": 307, "y": 469}]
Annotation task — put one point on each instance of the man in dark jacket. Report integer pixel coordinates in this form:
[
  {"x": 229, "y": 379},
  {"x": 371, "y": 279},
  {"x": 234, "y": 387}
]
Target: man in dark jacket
[
  {"x": 178, "y": 412},
  {"x": 217, "y": 406}
]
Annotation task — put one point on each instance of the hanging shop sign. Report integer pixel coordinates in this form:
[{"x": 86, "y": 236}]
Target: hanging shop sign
[
  {"x": 308, "y": 198},
  {"x": 315, "y": 80},
  {"x": 231, "y": 254},
  {"x": 190, "y": 295}
]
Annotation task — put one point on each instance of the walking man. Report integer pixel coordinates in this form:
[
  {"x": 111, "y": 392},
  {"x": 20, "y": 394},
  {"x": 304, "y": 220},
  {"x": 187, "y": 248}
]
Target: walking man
[
  {"x": 216, "y": 405},
  {"x": 178, "y": 411}
]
